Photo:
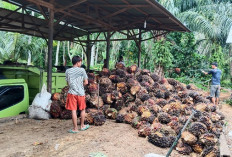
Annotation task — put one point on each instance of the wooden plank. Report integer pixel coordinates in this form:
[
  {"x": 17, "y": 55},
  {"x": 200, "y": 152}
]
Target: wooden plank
[{"x": 224, "y": 149}]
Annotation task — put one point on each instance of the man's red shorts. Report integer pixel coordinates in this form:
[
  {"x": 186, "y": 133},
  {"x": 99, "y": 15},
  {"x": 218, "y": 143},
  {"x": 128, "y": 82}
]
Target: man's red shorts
[{"x": 74, "y": 101}]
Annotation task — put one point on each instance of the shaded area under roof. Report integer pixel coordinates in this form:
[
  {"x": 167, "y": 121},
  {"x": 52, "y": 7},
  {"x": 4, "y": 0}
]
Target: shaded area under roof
[
  {"x": 17, "y": 22},
  {"x": 107, "y": 15}
]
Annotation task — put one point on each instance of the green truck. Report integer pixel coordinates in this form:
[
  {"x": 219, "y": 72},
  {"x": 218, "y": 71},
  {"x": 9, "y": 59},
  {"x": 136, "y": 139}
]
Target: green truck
[
  {"x": 14, "y": 97},
  {"x": 20, "y": 86}
]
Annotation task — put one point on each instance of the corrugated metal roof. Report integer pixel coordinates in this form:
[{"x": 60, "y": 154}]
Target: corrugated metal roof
[
  {"x": 26, "y": 24},
  {"x": 108, "y": 15}
]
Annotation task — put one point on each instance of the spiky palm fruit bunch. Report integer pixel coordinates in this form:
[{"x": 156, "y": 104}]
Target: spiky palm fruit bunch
[
  {"x": 129, "y": 117},
  {"x": 188, "y": 138},
  {"x": 111, "y": 113},
  {"x": 103, "y": 89},
  {"x": 132, "y": 82},
  {"x": 193, "y": 94},
  {"x": 120, "y": 66},
  {"x": 144, "y": 130},
  {"x": 113, "y": 78},
  {"x": 89, "y": 118},
  {"x": 155, "y": 77},
  {"x": 63, "y": 95},
  {"x": 200, "y": 99},
  {"x": 135, "y": 89},
  {"x": 55, "y": 109},
  {"x": 92, "y": 88},
  {"x": 121, "y": 73},
  {"x": 128, "y": 98},
  {"x": 164, "y": 118},
  {"x": 115, "y": 95},
  {"x": 107, "y": 98},
  {"x": 210, "y": 151},
  {"x": 183, "y": 94},
  {"x": 167, "y": 131},
  {"x": 183, "y": 148},
  {"x": 99, "y": 118},
  {"x": 66, "y": 114},
  {"x": 135, "y": 123},
  {"x": 208, "y": 139},
  {"x": 105, "y": 81},
  {"x": 121, "y": 87},
  {"x": 197, "y": 147},
  {"x": 216, "y": 132},
  {"x": 207, "y": 121},
  {"x": 158, "y": 93},
  {"x": 145, "y": 72},
  {"x": 146, "y": 115},
  {"x": 132, "y": 69},
  {"x": 183, "y": 119},
  {"x": 173, "y": 108},
  {"x": 56, "y": 96},
  {"x": 155, "y": 109},
  {"x": 161, "y": 102},
  {"x": 156, "y": 126},
  {"x": 119, "y": 104},
  {"x": 173, "y": 82},
  {"x": 201, "y": 107},
  {"x": 105, "y": 72},
  {"x": 215, "y": 117},
  {"x": 141, "y": 109},
  {"x": 120, "y": 118},
  {"x": 91, "y": 77},
  {"x": 160, "y": 140},
  {"x": 197, "y": 128},
  {"x": 95, "y": 101},
  {"x": 188, "y": 100},
  {"x": 138, "y": 102}
]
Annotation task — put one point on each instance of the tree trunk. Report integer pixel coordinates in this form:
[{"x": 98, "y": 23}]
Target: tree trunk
[
  {"x": 64, "y": 56},
  {"x": 96, "y": 55},
  {"x": 46, "y": 56},
  {"x": 92, "y": 55},
  {"x": 69, "y": 51},
  {"x": 29, "y": 51},
  {"x": 57, "y": 53}
]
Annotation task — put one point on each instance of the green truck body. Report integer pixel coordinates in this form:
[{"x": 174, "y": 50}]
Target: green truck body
[
  {"x": 34, "y": 77},
  {"x": 31, "y": 79},
  {"x": 14, "y": 97}
]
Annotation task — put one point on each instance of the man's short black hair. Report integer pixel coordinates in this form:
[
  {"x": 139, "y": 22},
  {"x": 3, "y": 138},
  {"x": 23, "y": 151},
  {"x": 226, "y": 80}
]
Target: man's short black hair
[
  {"x": 76, "y": 59},
  {"x": 214, "y": 63}
]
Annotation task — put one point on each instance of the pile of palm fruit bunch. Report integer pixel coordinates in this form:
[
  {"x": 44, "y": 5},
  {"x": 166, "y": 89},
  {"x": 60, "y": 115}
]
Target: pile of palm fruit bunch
[
  {"x": 157, "y": 107},
  {"x": 57, "y": 109}
]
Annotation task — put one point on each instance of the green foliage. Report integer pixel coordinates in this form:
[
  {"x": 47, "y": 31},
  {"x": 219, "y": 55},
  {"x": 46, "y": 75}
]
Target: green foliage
[{"x": 162, "y": 53}]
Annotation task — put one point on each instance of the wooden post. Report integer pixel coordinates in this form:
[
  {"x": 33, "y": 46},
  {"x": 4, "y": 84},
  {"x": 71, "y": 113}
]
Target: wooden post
[
  {"x": 139, "y": 47},
  {"x": 107, "y": 49},
  {"x": 50, "y": 48},
  {"x": 88, "y": 52}
]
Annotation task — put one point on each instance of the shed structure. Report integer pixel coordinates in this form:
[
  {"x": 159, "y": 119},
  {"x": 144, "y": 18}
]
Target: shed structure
[{"x": 70, "y": 19}]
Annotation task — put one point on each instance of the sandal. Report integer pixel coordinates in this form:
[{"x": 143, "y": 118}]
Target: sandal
[
  {"x": 73, "y": 132},
  {"x": 85, "y": 128}
]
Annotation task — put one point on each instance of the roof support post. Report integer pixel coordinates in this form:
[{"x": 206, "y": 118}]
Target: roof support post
[
  {"x": 88, "y": 51},
  {"x": 140, "y": 49},
  {"x": 50, "y": 48},
  {"x": 108, "y": 49}
]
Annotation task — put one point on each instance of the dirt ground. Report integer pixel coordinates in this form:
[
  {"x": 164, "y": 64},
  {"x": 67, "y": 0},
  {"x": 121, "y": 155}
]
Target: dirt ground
[{"x": 21, "y": 137}]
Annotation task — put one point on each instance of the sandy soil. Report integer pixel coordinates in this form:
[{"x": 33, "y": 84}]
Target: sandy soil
[{"x": 27, "y": 137}]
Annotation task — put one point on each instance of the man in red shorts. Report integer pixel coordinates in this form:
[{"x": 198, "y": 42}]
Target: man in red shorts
[{"x": 76, "y": 78}]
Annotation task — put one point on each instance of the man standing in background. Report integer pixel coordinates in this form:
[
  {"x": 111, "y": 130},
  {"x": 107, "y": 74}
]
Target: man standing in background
[{"x": 215, "y": 84}]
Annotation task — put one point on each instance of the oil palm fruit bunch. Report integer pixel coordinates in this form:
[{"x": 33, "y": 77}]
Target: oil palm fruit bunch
[
  {"x": 159, "y": 139},
  {"x": 55, "y": 109},
  {"x": 63, "y": 95}
]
